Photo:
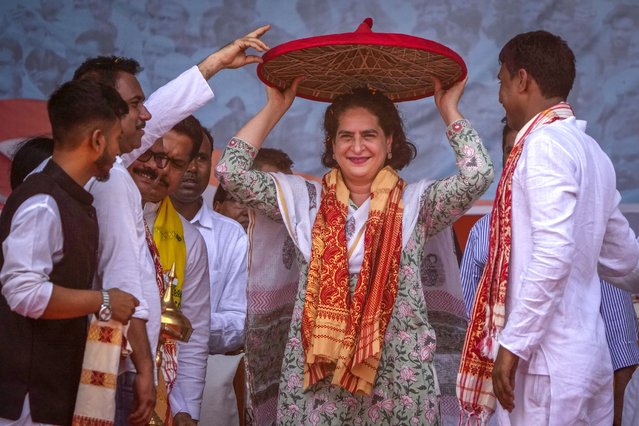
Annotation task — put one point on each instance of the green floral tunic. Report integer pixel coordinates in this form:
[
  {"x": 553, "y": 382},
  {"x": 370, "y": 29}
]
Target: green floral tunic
[{"x": 406, "y": 390}]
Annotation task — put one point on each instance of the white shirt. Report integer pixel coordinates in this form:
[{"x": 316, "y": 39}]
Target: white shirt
[
  {"x": 564, "y": 211},
  {"x": 33, "y": 246},
  {"x": 186, "y": 395},
  {"x": 124, "y": 260},
  {"x": 226, "y": 244}
]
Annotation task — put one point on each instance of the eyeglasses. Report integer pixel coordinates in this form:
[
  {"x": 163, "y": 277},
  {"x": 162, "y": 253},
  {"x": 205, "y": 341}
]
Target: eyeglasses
[{"x": 162, "y": 160}]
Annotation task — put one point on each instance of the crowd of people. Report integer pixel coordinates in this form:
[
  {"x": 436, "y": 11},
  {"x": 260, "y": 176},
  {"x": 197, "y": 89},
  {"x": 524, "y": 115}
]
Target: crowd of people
[{"x": 305, "y": 300}]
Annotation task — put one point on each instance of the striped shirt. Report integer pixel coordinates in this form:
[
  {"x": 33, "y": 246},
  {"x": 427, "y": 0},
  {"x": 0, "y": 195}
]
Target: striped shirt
[{"x": 616, "y": 305}]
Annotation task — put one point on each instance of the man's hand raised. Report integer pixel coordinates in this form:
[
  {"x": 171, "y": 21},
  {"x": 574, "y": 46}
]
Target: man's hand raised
[{"x": 233, "y": 55}]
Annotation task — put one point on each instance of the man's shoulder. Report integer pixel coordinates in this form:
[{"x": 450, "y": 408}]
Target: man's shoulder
[
  {"x": 557, "y": 134},
  {"x": 31, "y": 204}
]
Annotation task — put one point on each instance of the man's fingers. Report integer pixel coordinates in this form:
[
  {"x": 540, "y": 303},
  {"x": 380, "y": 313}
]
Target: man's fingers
[
  {"x": 252, "y": 59},
  {"x": 437, "y": 83},
  {"x": 503, "y": 391},
  {"x": 296, "y": 82},
  {"x": 255, "y": 43},
  {"x": 503, "y": 388},
  {"x": 138, "y": 416},
  {"x": 499, "y": 391},
  {"x": 259, "y": 31}
]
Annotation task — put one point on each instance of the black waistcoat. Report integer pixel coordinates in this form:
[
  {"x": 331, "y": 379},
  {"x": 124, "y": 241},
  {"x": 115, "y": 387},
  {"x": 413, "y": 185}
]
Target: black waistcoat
[{"x": 38, "y": 356}]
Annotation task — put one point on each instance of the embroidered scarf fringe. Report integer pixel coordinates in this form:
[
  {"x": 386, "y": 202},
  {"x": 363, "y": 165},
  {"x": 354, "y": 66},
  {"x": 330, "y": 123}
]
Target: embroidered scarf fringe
[
  {"x": 344, "y": 334},
  {"x": 488, "y": 315}
]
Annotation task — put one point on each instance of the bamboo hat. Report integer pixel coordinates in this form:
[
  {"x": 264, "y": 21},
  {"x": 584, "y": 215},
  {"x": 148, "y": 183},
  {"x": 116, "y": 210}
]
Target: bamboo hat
[{"x": 398, "y": 65}]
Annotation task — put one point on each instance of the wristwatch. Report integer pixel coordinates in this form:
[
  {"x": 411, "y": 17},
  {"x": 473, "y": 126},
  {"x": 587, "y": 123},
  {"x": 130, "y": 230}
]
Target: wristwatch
[{"x": 105, "y": 312}]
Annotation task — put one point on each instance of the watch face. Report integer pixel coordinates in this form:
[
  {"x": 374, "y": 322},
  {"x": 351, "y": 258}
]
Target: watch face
[{"x": 105, "y": 313}]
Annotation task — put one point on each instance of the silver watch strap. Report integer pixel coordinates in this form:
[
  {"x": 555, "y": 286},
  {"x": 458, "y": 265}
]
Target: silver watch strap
[{"x": 106, "y": 300}]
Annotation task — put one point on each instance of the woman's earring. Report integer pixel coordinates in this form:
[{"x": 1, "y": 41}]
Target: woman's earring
[{"x": 389, "y": 155}]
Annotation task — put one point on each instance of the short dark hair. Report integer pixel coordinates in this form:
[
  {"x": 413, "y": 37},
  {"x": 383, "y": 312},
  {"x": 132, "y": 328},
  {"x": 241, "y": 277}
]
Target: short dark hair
[
  {"x": 77, "y": 103},
  {"x": 389, "y": 120},
  {"x": 221, "y": 195},
  {"x": 105, "y": 69},
  {"x": 545, "y": 57},
  {"x": 191, "y": 128},
  {"x": 29, "y": 154},
  {"x": 274, "y": 157}
]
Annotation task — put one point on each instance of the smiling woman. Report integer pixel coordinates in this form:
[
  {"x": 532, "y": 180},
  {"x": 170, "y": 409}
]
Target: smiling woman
[
  {"x": 363, "y": 133},
  {"x": 360, "y": 337}
]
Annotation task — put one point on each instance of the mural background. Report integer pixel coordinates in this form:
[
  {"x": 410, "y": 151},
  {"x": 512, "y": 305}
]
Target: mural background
[{"x": 43, "y": 41}]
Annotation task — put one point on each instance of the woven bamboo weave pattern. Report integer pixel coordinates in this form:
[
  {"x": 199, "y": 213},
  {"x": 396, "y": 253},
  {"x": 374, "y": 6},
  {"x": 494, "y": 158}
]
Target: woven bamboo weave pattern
[{"x": 400, "y": 73}]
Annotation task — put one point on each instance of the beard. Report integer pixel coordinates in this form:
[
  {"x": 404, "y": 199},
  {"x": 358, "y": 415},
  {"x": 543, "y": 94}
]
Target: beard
[{"x": 103, "y": 165}]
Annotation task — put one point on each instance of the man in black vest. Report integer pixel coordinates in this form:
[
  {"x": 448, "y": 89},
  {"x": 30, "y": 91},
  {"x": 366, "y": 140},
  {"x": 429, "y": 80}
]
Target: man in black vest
[{"x": 49, "y": 236}]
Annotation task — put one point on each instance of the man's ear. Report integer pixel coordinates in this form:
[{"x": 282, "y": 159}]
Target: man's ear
[
  {"x": 98, "y": 141},
  {"x": 523, "y": 80}
]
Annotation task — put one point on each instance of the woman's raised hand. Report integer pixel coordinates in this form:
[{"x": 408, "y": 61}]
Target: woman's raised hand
[
  {"x": 448, "y": 99},
  {"x": 282, "y": 100},
  {"x": 279, "y": 101}
]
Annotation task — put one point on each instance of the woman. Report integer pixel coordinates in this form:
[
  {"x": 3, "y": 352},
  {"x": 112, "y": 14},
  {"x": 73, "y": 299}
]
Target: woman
[{"x": 360, "y": 346}]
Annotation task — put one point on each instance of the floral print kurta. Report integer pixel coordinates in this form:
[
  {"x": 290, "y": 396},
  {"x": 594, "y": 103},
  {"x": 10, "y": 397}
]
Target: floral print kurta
[{"x": 406, "y": 390}]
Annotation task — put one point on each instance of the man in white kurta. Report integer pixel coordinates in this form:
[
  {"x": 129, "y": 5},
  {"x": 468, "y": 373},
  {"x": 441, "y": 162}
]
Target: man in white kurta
[
  {"x": 156, "y": 176},
  {"x": 563, "y": 199},
  {"x": 186, "y": 395},
  {"x": 124, "y": 258},
  {"x": 565, "y": 211},
  {"x": 226, "y": 244}
]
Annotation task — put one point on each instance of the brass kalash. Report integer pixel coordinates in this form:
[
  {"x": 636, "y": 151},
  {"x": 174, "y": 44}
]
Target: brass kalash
[{"x": 173, "y": 325}]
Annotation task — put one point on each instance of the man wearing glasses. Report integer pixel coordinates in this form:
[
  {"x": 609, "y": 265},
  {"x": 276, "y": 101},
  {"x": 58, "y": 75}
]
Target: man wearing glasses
[{"x": 158, "y": 173}]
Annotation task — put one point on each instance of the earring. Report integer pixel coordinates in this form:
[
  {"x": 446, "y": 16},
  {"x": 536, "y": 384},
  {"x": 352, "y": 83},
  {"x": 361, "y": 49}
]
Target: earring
[{"x": 389, "y": 155}]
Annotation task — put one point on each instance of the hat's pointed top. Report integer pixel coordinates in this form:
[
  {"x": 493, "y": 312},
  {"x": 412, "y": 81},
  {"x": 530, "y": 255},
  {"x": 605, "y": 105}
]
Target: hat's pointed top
[{"x": 366, "y": 26}]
